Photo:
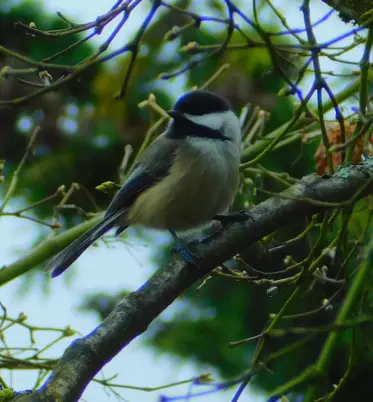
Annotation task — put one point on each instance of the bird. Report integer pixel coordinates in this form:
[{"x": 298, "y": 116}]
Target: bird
[{"x": 186, "y": 178}]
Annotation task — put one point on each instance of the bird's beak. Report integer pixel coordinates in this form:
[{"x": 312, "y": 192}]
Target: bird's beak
[{"x": 175, "y": 114}]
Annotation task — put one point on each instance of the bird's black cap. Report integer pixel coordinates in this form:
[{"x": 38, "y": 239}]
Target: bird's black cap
[{"x": 200, "y": 103}]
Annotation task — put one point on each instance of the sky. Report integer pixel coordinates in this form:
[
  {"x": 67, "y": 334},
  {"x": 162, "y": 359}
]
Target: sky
[{"x": 97, "y": 269}]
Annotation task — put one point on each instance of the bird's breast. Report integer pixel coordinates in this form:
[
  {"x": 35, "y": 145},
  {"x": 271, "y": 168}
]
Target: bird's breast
[{"x": 202, "y": 183}]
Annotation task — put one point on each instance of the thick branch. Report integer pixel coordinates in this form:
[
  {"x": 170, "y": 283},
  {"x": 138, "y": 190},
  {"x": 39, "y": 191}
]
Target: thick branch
[
  {"x": 131, "y": 317},
  {"x": 352, "y": 10}
]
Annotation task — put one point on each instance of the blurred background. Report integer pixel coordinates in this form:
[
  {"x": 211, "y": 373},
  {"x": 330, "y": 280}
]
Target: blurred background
[{"x": 82, "y": 139}]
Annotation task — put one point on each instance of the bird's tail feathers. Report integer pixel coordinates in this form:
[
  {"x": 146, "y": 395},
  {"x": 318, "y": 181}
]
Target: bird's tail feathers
[{"x": 62, "y": 261}]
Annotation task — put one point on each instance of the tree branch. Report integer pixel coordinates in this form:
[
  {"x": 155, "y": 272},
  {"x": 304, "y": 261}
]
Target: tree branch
[{"x": 86, "y": 356}]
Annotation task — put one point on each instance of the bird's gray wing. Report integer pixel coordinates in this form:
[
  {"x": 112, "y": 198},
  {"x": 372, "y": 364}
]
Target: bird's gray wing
[
  {"x": 138, "y": 181},
  {"x": 152, "y": 167}
]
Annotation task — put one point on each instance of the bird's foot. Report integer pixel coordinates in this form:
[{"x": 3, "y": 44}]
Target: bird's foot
[
  {"x": 239, "y": 216},
  {"x": 187, "y": 255},
  {"x": 184, "y": 251}
]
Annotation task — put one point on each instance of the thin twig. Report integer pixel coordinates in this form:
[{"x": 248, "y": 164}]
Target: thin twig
[{"x": 14, "y": 181}]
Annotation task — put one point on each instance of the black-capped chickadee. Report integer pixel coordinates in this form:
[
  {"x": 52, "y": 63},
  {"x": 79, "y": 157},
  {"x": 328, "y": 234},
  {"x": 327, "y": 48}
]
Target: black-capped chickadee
[{"x": 186, "y": 178}]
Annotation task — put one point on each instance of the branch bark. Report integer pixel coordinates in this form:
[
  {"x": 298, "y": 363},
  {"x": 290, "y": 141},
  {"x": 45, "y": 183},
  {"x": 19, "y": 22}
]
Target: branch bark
[
  {"x": 131, "y": 317},
  {"x": 352, "y": 10}
]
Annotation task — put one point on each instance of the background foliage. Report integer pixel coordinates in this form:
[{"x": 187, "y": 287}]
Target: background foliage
[{"x": 82, "y": 139}]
